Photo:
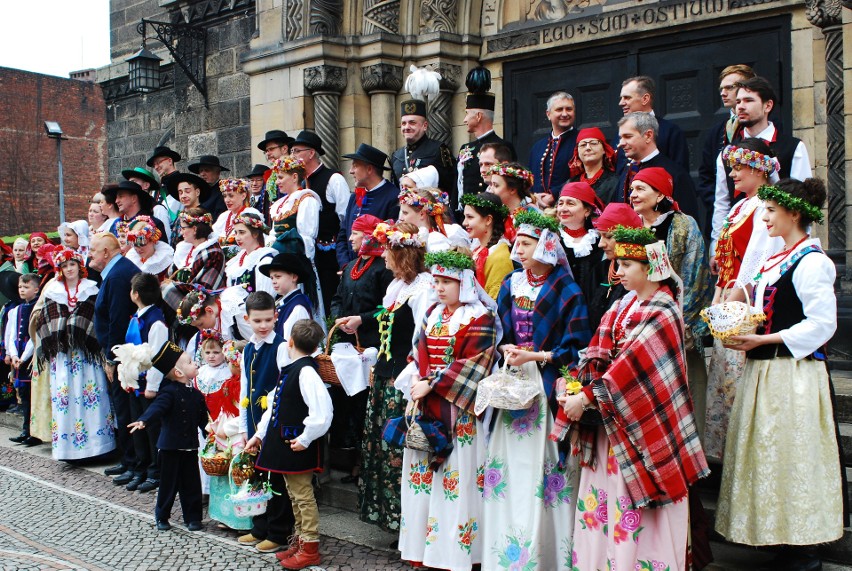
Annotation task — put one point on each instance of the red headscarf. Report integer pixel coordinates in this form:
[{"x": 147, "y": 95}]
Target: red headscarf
[
  {"x": 617, "y": 214},
  {"x": 660, "y": 180},
  {"x": 367, "y": 223},
  {"x": 576, "y": 165},
  {"x": 584, "y": 192}
]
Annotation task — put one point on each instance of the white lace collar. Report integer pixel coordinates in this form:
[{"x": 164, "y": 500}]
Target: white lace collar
[
  {"x": 56, "y": 291},
  {"x": 582, "y": 247},
  {"x": 399, "y": 292},
  {"x": 183, "y": 249},
  {"x": 235, "y": 268},
  {"x": 161, "y": 260}
]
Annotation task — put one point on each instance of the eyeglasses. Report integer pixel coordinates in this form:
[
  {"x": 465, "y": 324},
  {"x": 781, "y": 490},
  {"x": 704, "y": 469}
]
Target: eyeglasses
[
  {"x": 271, "y": 148},
  {"x": 294, "y": 151},
  {"x": 593, "y": 144},
  {"x": 727, "y": 87}
]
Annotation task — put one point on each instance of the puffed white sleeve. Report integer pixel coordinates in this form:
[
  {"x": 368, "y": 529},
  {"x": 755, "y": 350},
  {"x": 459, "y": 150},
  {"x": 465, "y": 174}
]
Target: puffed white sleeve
[
  {"x": 219, "y": 226},
  {"x": 813, "y": 279},
  {"x": 721, "y": 204},
  {"x": 243, "y": 395},
  {"x": 760, "y": 246},
  {"x": 161, "y": 214},
  {"x": 320, "y": 409},
  {"x": 337, "y": 192},
  {"x": 157, "y": 337},
  {"x": 262, "y": 282},
  {"x": 9, "y": 333},
  {"x": 307, "y": 222},
  {"x": 299, "y": 312}
]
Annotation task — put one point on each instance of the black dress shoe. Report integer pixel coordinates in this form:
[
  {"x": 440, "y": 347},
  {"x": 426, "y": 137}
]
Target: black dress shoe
[
  {"x": 148, "y": 485},
  {"x": 134, "y": 484},
  {"x": 194, "y": 526},
  {"x": 123, "y": 479},
  {"x": 31, "y": 441},
  {"x": 163, "y": 526},
  {"x": 19, "y": 439},
  {"x": 115, "y": 470}
]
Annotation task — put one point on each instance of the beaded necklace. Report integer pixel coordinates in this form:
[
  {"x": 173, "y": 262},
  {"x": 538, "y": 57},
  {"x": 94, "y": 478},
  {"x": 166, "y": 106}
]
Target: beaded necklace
[
  {"x": 72, "y": 299},
  {"x": 619, "y": 330},
  {"x": 356, "y": 273},
  {"x": 537, "y": 281},
  {"x": 782, "y": 255},
  {"x": 576, "y": 234}
]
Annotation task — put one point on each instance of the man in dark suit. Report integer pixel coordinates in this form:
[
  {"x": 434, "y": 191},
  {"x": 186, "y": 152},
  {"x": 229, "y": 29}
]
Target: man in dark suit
[
  {"x": 210, "y": 169},
  {"x": 373, "y": 195},
  {"x": 113, "y": 310},
  {"x": 637, "y": 94},
  {"x": 549, "y": 157},
  {"x": 637, "y": 139}
]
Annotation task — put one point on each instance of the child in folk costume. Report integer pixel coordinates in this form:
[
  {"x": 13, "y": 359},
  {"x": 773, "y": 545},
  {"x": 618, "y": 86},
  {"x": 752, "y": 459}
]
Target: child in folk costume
[
  {"x": 150, "y": 254},
  {"x": 291, "y": 432},
  {"x": 19, "y": 349},
  {"x": 428, "y": 208},
  {"x": 288, "y": 272},
  {"x": 235, "y": 194},
  {"x": 641, "y": 453},
  {"x": 222, "y": 311},
  {"x": 75, "y": 235},
  {"x": 484, "y": 216},
  {"x": 182, "y": 411},
  {"x": 782, "y": 437},
  {"x": 455, "y": 349},
  {"x": 529, "y": 495}
]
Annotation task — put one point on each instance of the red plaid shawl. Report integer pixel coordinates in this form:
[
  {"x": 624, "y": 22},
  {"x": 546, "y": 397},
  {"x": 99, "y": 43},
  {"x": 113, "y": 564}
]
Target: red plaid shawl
[{"x": 644, "y": 399}]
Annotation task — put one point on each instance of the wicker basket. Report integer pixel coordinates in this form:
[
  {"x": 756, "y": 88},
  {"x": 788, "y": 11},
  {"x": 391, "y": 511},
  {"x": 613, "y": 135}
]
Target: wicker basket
[
  {"x": 324, "y": 364},
  {"x": 731, "y": 318},
  {"x": 242, "y": 467},
  {"x": 214, "y": 462},
  {"x": 249, "y": 501},
  {"x": 415, "y": 439}
]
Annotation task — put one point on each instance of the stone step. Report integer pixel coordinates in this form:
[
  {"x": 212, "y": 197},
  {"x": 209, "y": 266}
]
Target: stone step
[
  {"x": 842, "y": 380},
  {"x": 336, "y": 494}
]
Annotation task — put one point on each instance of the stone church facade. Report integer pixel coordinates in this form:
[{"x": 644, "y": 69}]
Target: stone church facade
[{"x": 338, "y": 66}]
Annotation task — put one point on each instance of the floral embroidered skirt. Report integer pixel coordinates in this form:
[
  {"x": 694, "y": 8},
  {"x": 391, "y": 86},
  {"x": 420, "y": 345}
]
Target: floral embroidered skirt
[
  {"x": 725, "y": 370},
  {"x": 441, "y": 511},
  {"x": 528, "y": 501},
  {"x": 781, "y": 478},
  {"x": 83, "y": 424},
  {"x": 610, "y": 533},
  {"x": 381, "y": 463}
]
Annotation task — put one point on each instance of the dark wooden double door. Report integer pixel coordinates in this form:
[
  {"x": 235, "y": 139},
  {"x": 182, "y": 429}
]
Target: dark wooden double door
[{"x": 684, "y": 65}]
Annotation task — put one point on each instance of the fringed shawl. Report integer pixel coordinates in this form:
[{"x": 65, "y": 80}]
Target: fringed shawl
[{"x": 61, "y": 330}]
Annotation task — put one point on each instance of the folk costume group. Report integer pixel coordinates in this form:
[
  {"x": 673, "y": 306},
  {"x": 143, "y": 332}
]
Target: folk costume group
[{"x": 456, "y": 282}]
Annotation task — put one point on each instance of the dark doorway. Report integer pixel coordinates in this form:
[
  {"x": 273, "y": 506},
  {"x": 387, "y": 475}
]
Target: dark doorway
[{"x": 685, "y": 66}]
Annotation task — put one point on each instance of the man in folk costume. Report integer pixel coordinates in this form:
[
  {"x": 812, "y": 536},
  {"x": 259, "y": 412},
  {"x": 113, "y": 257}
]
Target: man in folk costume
[
  {"x": 163, "y": 160},
  {"x": 334, "y": 193},
  {"x": 754, "y": 102},
  {"x": 420, "y": 151},
  {"x": 479, "y": 119},
  {"x": 275, "y": 144},
  {"x": 257, "y": 185},
  {"x": 549, "y": 157},
  {"x": 165, "y": 207},
  {"x": 132, "y": 201},
  {"x": 210, "y": 169},
  {"x": 373, "y": 195}
]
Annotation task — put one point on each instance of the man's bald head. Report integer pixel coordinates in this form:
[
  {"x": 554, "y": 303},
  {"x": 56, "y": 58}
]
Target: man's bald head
[{"x": 103, "y": 248}]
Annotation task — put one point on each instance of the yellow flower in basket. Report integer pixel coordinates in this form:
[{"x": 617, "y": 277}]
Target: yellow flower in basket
[{"x": 573, "y": 387}]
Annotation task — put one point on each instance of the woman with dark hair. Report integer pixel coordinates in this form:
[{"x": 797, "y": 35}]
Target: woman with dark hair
[
  {"x": 243, "y": 270},
  {"x": 511, "y": 182},
  {"x": 651, "y": 198},
  {"x": 594, "y": 163},
  {"x": 235, "y": 195},
  {"x": 484, "y": 217},
  {"x": 198, "y": 258},
  {"x": 403, "y": 306},
  {"x": 637, "y": 466},
  {"x": 782, "y": 483},
  {"x": 82, "y": 423}
]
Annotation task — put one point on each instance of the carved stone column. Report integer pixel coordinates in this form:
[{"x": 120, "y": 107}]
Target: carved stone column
[
  {"x": 826, "y": 15},
  {"x": 440, "y": 109},
  {"x": 326, "y": 83},
  {"x": 382, "y": 82}
]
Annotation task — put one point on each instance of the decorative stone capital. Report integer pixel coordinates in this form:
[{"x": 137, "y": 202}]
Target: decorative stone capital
[
  {"x": 438, "y": 15},
  {"x": 823, "y": 13},
  {"x": 325, "y": 78},
  {"x": 450, "y": 75},
  {"x": 381, "y": 77}
]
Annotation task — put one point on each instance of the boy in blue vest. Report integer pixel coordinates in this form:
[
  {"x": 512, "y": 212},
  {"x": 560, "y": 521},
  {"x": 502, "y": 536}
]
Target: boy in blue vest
[
  {"x": 148, "y": 325},
  {"x": 258, "y": 377},
  {"x": 19, "y": 349},
  {"x": 288, "y": 272},
  {"x": 291, "y": 432}
]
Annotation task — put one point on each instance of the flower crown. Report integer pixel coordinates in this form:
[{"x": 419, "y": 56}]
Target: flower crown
[
  {"x": 479, "y": 202},
  {"x": 144, "y": 231},
  {"x": 251, "y": 220},
  {"x": 630, "y": 242},
  {"x": 449, "y": 259},
  {"x": 232, "y": 355},
  {"x": 62, "y": 254},
  {"x": 194, "y": 311},
  {"x": 205, "y": 218},
  {"x": 734, "y": 155},
  {"x": 520, "y": 173},
  {"x": 388, "y": 235},
  {"x": 234, "y": 185},
  {"x": 537, "y": 219},
  {"x": 790, "y": 202},
  {"x": 288, "y": 164},
  {"x": 435, "y": 207},
  {"x": 212, "y": 334}
]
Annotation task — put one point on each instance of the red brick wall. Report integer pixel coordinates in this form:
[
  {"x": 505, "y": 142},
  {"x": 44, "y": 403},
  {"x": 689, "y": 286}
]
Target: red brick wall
[{"x": 29, "y": 180}]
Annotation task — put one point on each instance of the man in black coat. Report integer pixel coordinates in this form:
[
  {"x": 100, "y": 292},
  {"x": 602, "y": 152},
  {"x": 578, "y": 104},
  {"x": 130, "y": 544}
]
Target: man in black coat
[
  {"x": 479, "y": 119},
  {"x": 210, "y": 169},
  {"x": 113, "y": 310}
]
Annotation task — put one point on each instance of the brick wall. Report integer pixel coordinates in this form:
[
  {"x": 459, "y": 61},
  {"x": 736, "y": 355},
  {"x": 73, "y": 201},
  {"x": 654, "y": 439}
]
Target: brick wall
[{"x": 29, "y": 181}]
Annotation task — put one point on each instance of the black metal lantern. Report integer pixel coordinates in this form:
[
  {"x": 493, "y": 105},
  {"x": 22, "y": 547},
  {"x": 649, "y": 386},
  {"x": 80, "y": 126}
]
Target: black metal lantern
[{"x": 144, "y": 73}]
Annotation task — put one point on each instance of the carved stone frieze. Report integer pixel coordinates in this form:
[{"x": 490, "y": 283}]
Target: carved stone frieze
[
  {"x": 438, "y": 15},
  {"x": 513, "y": 42},
  {"x": 381, "y": 77},
  {"x": 207, "y": 10},
  {"x": 326, "y": 17},
  {"x": 381, "y": 16},
  {"x": 450, "y": 74},
  {"x": 822, "y": 13},
  {"x": 293, "y": 24},
  {"x": 325, "y": 78}
]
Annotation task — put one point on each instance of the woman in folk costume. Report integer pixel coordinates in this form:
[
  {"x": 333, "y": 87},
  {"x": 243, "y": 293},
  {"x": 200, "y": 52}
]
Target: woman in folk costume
[
  {"x": 198, "y": 258},
  {"x": 640, "y": 451},
  {"x": 243, "y": 270},
  {"x": 235, "y": 195},
  {"x": 455, "y": 349},
  {"x": 529, "y": 495},
  {"x": 75, "y": 235},
  {"x": 594, "y": 163},
  {"x": 511, "y": 182},
  {"x": 82, "y": 424},
  {"x": 484, "y": 215},
  {"x": 22, "y": 256},
  {"x": 782, "y": 449},
  {"x": 651, "y": 198},
  {"x": 743, "y": 246},
  {"x": 149, "y": 252},
  {"x": 428, "y": 209},
  {"x": 403, "y": 306}
]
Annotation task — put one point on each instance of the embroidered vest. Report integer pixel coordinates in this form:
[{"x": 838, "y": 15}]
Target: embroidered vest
[
  {"x": 329, "y": 223},
  {"x": 288, "y": 304}
]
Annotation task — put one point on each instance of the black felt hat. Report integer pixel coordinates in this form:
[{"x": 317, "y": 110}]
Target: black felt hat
[
  {"x": 146, "y": 201},
  {"x": 166, "y": 358},
  {"x": 370, "y": 155},
  {"x": 480, "y": 101},
  {"x": 275, "y": 135},
  {"x": 9, "y": 285},
  {"x": 174, "y": 179},
  {"x": 144, "y": 174},
  {"x": 162, "y": 152},
  {"x": 290, "y": 263},
  {"x": 413, "y": 107},
  {"x": 206, "y": 161},
  {"x": 257, "y": 170},
  {"x": 309, "y": 139}
]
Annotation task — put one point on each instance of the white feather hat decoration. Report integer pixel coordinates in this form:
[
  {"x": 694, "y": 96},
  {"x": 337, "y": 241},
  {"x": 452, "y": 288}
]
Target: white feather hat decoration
[
  {"x": 133, "y": 360},
  {"x": 423, "y": 83}
]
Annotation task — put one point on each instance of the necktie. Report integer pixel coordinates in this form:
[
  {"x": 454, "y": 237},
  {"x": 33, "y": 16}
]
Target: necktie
[
  {"x": 134, "y": 333},
  {"x": 731, "y": 128},
  {"x": 632, "y": 169}
]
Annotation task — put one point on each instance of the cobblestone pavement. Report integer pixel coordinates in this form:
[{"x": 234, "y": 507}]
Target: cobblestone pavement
[{"x": 56, "y": 516}]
